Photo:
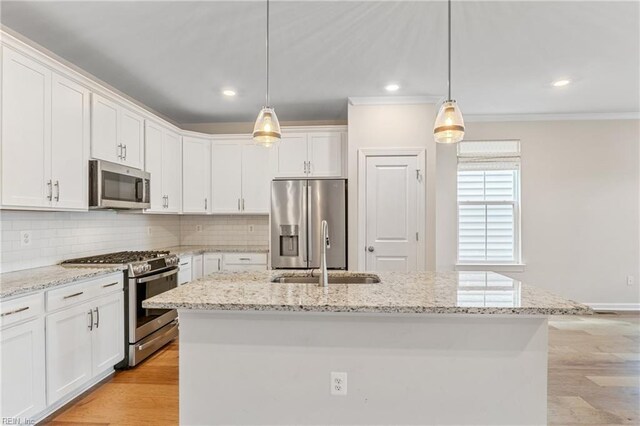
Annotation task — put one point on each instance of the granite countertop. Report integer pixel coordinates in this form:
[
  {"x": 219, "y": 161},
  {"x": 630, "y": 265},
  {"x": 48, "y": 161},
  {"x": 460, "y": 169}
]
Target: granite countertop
[
  {"x": 185, "y": 250},
  {"x": 30, "y": 280},
  {"x": 421, "y": 292}
]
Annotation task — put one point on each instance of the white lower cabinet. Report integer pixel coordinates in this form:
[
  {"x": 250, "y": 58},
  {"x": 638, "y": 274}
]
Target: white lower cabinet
[
  {"x": 184, "y": 272},
  {"x": 22, "y": 371},
  {"x": 197, "y": 266},
  {"x": 83, "y": 341},
  {"x": 212, "y": 263}
]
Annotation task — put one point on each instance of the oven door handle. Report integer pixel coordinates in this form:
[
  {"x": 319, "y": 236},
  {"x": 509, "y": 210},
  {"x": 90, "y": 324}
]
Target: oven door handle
[
  {"x": 173, "y": 325},
  {"x": 155, "y": 277}
]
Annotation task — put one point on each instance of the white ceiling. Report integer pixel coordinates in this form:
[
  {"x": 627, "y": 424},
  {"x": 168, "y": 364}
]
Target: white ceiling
[{"x": 176, "y": 57}]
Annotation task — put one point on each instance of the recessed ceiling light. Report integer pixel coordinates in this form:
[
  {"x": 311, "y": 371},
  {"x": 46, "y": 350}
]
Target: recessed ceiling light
[
  {"x": 561, "y": 83},
  {"x": 391, "y": 87},
  {"x": 229, "y": 92}
]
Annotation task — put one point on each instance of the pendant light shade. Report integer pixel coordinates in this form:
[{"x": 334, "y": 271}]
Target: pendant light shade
[
  {"x": 266, "y": 131},
  {"x": 449, "y": 125}
]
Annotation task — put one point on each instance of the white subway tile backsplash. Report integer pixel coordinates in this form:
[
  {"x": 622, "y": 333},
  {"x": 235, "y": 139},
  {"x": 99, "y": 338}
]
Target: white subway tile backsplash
[{"x": 57, "y": 236}]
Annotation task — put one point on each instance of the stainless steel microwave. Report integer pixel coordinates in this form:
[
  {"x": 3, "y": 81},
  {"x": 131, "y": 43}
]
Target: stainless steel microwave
[{"x": 114, "y": 186}]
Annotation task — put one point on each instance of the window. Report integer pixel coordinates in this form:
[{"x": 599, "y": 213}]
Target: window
[{"x": 489, "y": 202}]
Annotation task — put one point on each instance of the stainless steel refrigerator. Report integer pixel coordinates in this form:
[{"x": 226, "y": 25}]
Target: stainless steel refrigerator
[{"x": 298, "y": 207}]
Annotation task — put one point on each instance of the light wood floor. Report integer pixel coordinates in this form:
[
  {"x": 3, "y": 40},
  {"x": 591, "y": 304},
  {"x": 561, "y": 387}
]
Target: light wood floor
[{"x": 594, "y": 379}]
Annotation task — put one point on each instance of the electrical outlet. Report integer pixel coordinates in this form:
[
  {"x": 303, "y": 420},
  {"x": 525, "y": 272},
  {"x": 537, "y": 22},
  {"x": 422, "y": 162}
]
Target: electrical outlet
[
  {"x": 629, "y": 280},
  {"x": 338, "y": 383},
  {"x": 251, "y": 229},
  {"x": 198, "y": 228},
  {"x": 25, "y": 238}
]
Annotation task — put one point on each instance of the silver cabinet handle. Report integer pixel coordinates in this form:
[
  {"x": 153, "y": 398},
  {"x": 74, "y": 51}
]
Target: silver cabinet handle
[
  {"x": 73, "y": 295},
  {"x": 124, "y": 147},
  {"x": 219, "y": 266},
  {"x": 109, "y": 285},
  {"x": 50, "y": 190},
  {"x": 90, "y": 326},
  {"x": 120, "y": 151},
  {"x": 167, "y": 200},
  {"x": 238, "y": 204},
  {"x": 57, "y": 185},
  {"x": 15, "y": 311},
  {"x": 370, "y": 249},
  {"x": 97, "y": 317},
  {"x": 244, "y": 258},
  {"x": 243, "y": 204},
  {"x": 309, "y": 167},
  {"x": 205, "y": 204}
]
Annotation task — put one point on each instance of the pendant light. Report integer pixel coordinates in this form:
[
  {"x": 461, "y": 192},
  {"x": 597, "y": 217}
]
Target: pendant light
[
  {"x": 266, "y": 131},
  {"x": 449, "y": 125}
]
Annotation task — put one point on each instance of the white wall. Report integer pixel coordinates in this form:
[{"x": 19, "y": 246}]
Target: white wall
[
  {"x": 225, "y": 230},
  {"x": 580, "y": 205},
  {"x": 57, "y": 236},
  {"x": 392, "y": 126}
]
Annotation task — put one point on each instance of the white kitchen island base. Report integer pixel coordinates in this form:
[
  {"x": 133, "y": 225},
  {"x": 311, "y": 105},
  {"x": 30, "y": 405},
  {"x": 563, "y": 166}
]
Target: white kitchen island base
[{"x": 252, "y": 367}]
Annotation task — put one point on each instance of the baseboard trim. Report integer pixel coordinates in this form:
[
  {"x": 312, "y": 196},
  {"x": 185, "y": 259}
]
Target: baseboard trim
[{"x": 614, "y": 306}]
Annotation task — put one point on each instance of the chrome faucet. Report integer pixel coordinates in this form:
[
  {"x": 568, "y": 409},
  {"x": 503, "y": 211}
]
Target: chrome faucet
[{"x": 324, "y": 275}]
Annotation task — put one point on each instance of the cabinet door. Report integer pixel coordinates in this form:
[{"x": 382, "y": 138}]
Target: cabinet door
[
  {"x": 212, "y": 263},
  {"x": 22, "y": 373},
  {"x": 26, "y": 131},
  {"x": 131, "y": 132},
  {"x": 108, "y": 332},
  {"x": 196, "y": 179},
  {"x": 325, "y": 154},
  {"x": 69, "y": 143},
  {"x": 104, "y": 129},
  {"x": 172, "y": 171},
  {"x": 226, "y": 178},
  {"x": 68, "y": 351},
  {"x": 197, "y": 267},
  {"x": 290, "y": 156},
  {"x": 153, "y": 165},
  {"x": 255, "y": 179}
]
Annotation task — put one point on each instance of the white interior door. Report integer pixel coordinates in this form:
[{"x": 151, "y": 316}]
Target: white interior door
[{"x": 391, "y": 213}]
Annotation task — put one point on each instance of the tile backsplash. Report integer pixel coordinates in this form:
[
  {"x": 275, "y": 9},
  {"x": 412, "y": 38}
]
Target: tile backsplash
[{"x": 57, "y": 236}]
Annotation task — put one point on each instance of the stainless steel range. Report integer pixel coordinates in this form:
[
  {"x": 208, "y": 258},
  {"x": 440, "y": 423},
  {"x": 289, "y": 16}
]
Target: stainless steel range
[{"x": 147, "y": 273}]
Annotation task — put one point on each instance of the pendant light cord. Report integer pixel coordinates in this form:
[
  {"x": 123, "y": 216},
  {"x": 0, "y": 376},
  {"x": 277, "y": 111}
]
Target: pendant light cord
[
  {"x": 267, "y": 95},
  {"x": 449, "y": 25}
]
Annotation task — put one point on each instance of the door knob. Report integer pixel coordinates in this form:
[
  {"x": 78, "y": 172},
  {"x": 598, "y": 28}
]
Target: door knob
[{"x": 370, "y": 249}]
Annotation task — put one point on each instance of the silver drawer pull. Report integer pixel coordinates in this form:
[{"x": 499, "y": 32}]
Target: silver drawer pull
[
  {"x": 109, "y": 285},
  {"x": 245, "y": 258},
  {"x": 5, "y": 314},
  {"x": 73, "y": 295}
]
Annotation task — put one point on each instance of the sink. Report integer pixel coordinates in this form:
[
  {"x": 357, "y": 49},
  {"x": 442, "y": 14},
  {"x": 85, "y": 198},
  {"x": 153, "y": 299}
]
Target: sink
[{"x": 370, "y": 279}]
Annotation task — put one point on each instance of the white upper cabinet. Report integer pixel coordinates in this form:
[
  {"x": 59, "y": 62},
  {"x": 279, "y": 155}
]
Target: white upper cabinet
[
  {"x": 240, "y": 177},
  {"x": 290, "y": 159},
  {"x": 256, "y": 180},
  {"x": 45, "y": 137},
  {"x": 163, "y": 159},
  {"x": 196, "y": 175},
  {"x": 69, "y": 143},
  {"x": 116, "y": 133},
  {"x": 312, "y": 154},
  {"x": 226, "y": 177}
]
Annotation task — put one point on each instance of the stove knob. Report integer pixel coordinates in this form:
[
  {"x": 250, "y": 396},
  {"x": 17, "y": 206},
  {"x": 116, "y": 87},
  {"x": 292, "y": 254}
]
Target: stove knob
[{"x": 147, "y": 268}]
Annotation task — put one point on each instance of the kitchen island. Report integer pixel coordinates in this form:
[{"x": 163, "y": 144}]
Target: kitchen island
[{"x": 416, "y": 348}]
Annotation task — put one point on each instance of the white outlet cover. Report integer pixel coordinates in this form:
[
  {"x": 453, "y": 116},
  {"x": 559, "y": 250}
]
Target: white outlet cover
[
  {"x": 629, "y": 279},
  {"x": 25, "y": 238},
  {"x": 251, "y": 229},
  {"x": 338, "y": 383},
  {"x": 198, "y": 228}
]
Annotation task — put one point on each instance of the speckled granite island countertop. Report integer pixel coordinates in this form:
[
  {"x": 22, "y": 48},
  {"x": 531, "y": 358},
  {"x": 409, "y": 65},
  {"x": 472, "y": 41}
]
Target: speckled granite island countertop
[
  {"x": 421, "y": 292},
  {"x": 186, "y": 250},
  {"x": 30, "y": 280}
]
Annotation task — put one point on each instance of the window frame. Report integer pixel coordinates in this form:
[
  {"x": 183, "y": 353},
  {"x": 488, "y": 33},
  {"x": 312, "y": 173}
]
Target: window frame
[{"x": 515, "y": 203}]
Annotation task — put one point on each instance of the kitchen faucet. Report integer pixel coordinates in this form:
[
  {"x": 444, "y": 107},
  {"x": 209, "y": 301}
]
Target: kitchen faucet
[{"x": 324, "y": 237}]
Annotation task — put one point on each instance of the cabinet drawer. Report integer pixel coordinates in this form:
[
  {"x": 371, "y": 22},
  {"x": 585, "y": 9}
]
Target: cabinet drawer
[
  {"x": 244, "y": 268},
  {"x": 76, "y": 293},
  {"x": 245, "y": 259},
  {"x": 21, "y": 308},
  {"x": 185, "y": 262}
]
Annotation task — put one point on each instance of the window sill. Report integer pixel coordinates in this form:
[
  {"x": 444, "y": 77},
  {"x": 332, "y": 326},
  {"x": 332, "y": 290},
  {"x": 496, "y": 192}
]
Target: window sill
[{"x": 495, "y": 267}]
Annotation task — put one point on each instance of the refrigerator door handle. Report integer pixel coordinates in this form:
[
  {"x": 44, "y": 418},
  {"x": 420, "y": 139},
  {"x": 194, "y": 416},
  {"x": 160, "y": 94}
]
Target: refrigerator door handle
[
  {"x": 308, "y": 216},
  {"x": 305, "y": 223}
]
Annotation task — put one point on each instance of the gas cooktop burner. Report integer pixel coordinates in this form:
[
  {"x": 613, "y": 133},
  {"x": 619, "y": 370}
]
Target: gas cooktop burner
[{"x": 121, "y": 257}]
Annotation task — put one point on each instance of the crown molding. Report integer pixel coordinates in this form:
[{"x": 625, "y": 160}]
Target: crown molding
[
  {"x": 473, "y": 118},
  {"x": 394, "y": 100}
]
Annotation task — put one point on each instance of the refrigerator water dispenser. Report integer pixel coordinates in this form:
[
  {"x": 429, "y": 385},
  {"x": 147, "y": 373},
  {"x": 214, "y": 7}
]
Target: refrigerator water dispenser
[{"x": 289, "y": 240}]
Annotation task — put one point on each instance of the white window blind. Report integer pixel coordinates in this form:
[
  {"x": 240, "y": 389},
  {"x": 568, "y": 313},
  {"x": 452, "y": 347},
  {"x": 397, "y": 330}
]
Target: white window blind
[{"x": 488, "y": 202}]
